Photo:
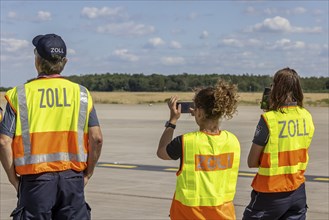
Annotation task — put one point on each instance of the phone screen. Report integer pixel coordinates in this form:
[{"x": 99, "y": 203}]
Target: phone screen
[{"x": 185, "y": 106}]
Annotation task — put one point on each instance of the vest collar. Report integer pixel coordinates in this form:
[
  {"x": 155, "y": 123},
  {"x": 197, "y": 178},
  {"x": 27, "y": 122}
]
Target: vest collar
[{"x": 42, "y": 75}]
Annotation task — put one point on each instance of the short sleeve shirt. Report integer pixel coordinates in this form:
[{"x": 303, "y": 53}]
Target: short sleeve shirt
[
  {"x": 261, "y": 133},
  {"x": 174, "y": 148}
]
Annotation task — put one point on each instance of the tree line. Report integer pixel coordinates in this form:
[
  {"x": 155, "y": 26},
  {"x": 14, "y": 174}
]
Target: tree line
[{"x": 184, "y": 82}]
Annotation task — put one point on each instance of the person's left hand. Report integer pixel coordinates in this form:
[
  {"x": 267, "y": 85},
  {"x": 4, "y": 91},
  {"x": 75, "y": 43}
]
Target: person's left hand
[
  {"x": 85, "y": 180},
  {"x": 174, "y": 110}
]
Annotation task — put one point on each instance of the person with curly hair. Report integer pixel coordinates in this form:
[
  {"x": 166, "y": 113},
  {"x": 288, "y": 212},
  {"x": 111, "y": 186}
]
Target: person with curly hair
[
  {"x": 209, "y": 157},
  {"x": 280, "y": 152}
]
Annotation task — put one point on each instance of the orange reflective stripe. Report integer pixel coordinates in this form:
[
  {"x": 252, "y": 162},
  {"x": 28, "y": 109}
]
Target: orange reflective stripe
[
  {"x": 56, "y": 141},
  {"x": 45, "y": 147},
  {"x": 50, "y": 167},
  {"x": 213, "y": 162},
  {"x": 222, "y": 212},
  {"x": 265, "y": 160},
  {"x": 291, "y": 158},
  {"x": 61, "y": 141},
  {"x": 286, "y": 158},
  {"x": 278, "y": 183}
]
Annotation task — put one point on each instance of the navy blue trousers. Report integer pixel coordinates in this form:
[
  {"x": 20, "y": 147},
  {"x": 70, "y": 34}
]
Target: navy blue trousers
[
  {"x": 54, "y": 195},
  {"x": 285, "y": 205}
]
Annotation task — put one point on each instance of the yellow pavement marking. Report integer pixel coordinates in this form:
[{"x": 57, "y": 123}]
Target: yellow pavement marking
[
  {"x": 117, "y": 165},
  {"x": 171, "y": 169},
  {"x": 247, "y": 174},
  {"x": 322, "y": 179}
]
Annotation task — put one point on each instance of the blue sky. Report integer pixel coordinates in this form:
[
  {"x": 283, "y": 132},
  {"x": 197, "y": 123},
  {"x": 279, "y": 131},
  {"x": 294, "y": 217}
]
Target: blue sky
[{"x": 168, "y": 37}]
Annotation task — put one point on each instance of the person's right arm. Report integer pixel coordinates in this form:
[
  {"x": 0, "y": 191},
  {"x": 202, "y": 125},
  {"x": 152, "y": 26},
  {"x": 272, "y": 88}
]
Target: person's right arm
[
  {"x": 259, "y": 142},
  {"x": 254, "y": 155},
  {"x": 168, "y": 132},
  {"x": 7, "y": 131},
  {"x": 7, "y": 161}
]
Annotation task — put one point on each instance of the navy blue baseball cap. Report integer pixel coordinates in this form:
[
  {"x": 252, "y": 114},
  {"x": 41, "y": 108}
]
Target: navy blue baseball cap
[{"x": 50, "y": 45}]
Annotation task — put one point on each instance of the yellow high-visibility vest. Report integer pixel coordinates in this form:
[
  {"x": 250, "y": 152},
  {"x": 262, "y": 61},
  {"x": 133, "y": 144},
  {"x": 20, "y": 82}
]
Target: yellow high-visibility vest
[
  {"x": 206, "y": 183},
  {"x": 51, "y": 125},
  {"x": 285, "y": 156}
]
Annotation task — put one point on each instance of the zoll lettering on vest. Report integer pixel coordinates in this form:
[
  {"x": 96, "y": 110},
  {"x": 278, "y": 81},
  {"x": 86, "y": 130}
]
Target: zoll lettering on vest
[
  {"x": 50, "y": 97},
  {"x": 292, "y": 128},
  {"x": 213, "y": 162}
]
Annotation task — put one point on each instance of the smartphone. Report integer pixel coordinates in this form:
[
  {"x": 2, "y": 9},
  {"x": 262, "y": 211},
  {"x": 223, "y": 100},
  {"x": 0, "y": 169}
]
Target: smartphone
[
  {"x": 185, "y": 106},
  {"x": 264, "y": 104}
]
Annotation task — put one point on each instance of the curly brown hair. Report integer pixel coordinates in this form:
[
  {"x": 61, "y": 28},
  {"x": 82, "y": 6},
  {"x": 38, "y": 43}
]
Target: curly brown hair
[
  {"x": 286, "y": 84},
  {"x": 219, "y": 101}
]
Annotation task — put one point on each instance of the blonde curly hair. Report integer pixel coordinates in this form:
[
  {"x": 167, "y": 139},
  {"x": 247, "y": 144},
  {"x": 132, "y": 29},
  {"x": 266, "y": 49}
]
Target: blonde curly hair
[{"x": 219, "y": 101}]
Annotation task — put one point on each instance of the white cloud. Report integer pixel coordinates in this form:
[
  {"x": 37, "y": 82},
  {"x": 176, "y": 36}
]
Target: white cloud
[
  {"x": 277, "y": 23},
  {"x": 294, "y": 11},
  {"x": 307, "y": 30},
  {"x": 299, "y": 10},
  {"x": 175, "y": 45},
  {"x": 93, "y": 12},
  {"x": 44, "y": 16},
  {"x": 250, "y": 10},
  {"x": 126, "y": 29},
  {"x": 232, "y": 42},
  {"x": 124, "y": 54},
  {"x": 204, "y": 35},
  {"x": 287, "y": 44},
  {"x": 280, "y": 24},
  {"x": 172, "y": 61},
  {"x": 13, "y": 45},
  {"x": 156, "y": 41},
  {"x": 252, "y": 43}
]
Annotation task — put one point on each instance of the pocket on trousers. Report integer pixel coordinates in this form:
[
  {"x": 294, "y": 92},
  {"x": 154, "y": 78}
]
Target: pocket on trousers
[
  {"x": 17, "y": 214},
  {"x": 73, "y": 175}
]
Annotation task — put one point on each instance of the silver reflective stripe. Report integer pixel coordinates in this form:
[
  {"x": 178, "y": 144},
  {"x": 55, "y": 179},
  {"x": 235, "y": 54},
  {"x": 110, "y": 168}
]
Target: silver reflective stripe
[
  {"x": 24, "y": 120},
  {"x": 61, "y": 156},
  {"x": 82, "y": 122},
  {"x": 42, "y": 158}
]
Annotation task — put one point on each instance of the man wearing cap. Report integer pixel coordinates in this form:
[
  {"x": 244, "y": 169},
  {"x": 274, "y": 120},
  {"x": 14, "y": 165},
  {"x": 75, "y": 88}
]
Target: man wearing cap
[{"x": 50, "y": 139}]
